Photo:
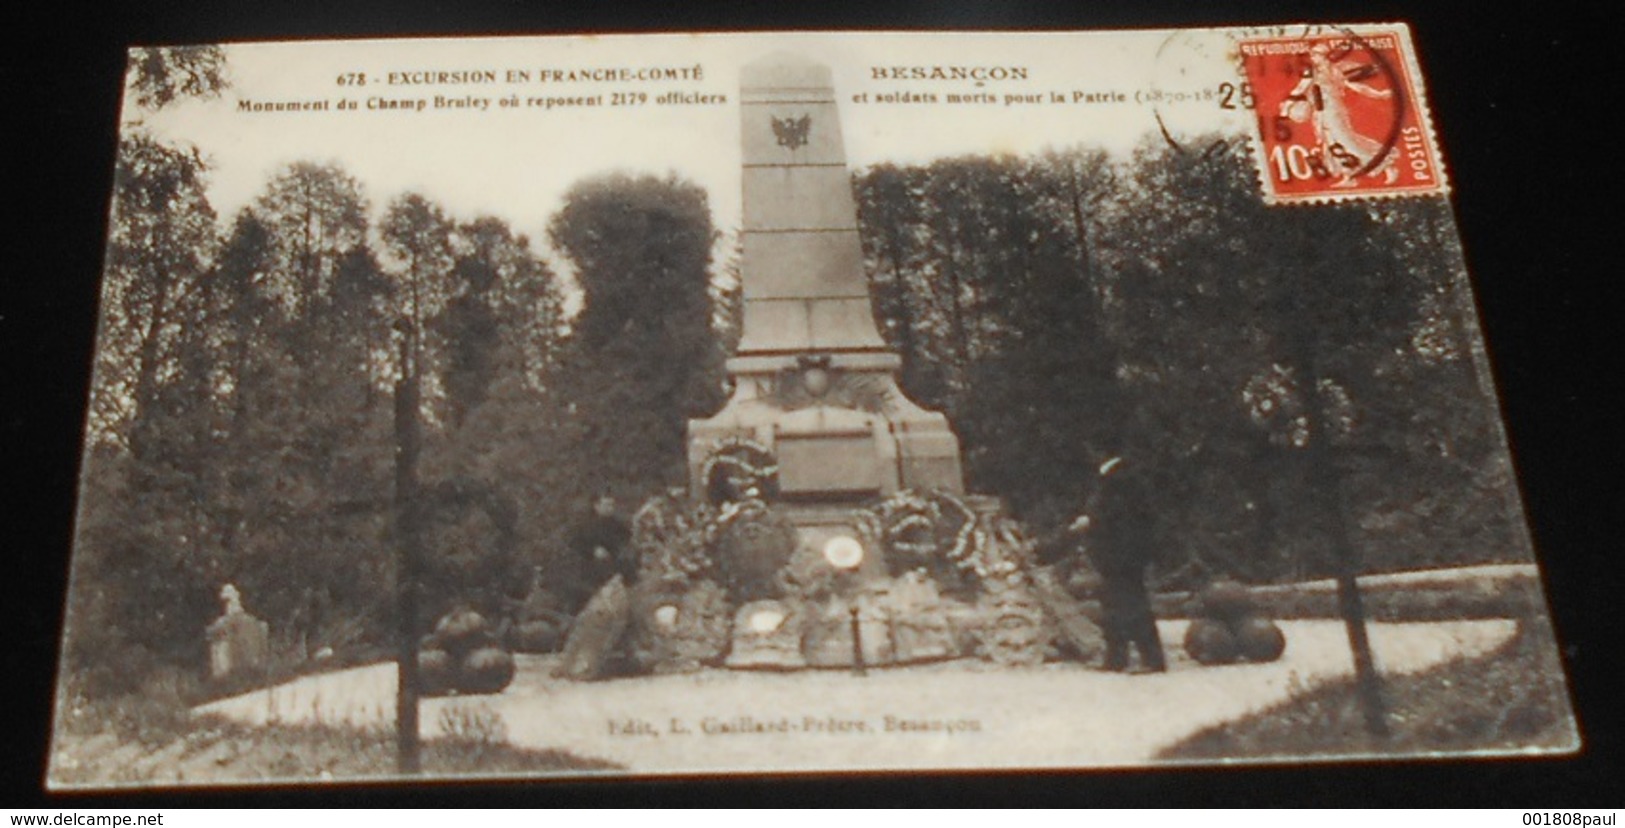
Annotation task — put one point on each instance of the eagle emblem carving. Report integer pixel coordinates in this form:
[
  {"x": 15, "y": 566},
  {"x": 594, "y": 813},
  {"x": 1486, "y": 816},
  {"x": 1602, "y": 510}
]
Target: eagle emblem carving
[{"x": 792, "y": 132}]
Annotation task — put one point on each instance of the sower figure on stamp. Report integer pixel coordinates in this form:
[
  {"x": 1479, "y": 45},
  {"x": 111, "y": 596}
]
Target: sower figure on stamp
[{"x": 1115, "y": 526}]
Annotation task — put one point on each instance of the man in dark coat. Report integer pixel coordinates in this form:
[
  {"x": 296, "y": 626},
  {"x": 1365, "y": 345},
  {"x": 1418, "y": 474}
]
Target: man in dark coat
[
  {"x": 1116, "y": 522},
  {"x": 602, "y": 546}
]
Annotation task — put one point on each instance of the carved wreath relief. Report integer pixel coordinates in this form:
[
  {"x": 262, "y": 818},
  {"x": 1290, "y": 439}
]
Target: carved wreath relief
[{"x": 813, "y": 381}]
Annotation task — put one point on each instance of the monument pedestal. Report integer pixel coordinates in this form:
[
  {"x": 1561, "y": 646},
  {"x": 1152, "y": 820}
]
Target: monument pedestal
[{"x": 814, "y": 382}]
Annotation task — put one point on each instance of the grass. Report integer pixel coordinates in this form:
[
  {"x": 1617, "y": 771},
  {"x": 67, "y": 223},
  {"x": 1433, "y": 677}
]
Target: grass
[
  {"x": 1511, "y": 700},
  {"x": 151, "y": 738}
]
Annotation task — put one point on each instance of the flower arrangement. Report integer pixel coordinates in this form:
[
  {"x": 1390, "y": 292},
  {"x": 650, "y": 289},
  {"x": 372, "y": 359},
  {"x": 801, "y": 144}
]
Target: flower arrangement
[
  {"x": 738, "y": 468},
  {"x": 931, "y": 530},
  {"x": 679, "y": 627},
  {"x": 752, "y": 543},
  {"x": 672, "y": 535},
  {"x": 937, "y": 531}
]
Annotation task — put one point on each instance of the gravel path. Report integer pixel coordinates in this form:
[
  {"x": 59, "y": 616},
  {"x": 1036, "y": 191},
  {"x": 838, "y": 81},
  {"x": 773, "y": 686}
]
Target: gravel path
[{"x": 964, "y": 714}]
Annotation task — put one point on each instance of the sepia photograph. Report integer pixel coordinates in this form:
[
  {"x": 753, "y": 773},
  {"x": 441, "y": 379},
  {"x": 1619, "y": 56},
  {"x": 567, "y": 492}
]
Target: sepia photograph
[{"x": 669, "y": 405}]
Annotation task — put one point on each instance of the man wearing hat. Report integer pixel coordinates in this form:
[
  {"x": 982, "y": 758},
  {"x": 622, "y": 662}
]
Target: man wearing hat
[{"x": 1116, "y": 524}]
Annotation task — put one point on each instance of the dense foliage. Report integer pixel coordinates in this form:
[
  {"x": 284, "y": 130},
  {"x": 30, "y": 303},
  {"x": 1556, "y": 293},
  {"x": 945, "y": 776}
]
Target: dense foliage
[
  {"x": 1291, "y": 379},
  {"x": 1292, "y": 383}
]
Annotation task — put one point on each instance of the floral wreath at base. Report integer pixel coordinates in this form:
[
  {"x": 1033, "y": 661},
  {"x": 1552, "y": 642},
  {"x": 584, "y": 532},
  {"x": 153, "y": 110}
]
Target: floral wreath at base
[
  {"x": 742, "y": 457},
  {"x": 922, "y": 528},
  {"x": 672, "y": 536}
]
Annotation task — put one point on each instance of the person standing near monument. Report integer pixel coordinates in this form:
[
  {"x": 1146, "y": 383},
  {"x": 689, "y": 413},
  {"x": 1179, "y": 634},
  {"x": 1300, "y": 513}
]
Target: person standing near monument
[
  {"x": 602, "y": 546},
  {"x": 1116, "y": 524}
]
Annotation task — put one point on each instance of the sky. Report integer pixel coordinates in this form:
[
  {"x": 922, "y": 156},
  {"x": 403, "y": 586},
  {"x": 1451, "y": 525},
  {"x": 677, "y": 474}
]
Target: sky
[{"x": 517, "y": 162}]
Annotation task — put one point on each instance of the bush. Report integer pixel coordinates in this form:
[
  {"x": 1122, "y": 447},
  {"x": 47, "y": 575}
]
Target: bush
[{"x": 153, "y": 714}]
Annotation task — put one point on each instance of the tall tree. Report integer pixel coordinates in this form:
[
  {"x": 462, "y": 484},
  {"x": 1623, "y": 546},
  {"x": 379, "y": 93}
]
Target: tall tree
[
  {"x": 1184, "y": 299},
  {"x": 890, "y": 217},
  {"x": 159, "y": 249},
  {"x": 308, "y": 433},
  {"x": 317, "y": 217},
  {"x": 158, "y": 76},
  {"x": 643, "y": 353},
  {"x": 982, "y": 275},
  {"x": 1045, "y": 396},
  {"x": 493, "y": 457},
  {"x": 503, "y": 313},
  {"x": 140, "y": 567}
]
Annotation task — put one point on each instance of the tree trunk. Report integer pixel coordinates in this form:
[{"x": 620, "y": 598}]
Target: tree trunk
[
  {"x": 409, "y": 561},
  {"x": 146, "y": 378},
  {"x": 1326, "y": 480}
]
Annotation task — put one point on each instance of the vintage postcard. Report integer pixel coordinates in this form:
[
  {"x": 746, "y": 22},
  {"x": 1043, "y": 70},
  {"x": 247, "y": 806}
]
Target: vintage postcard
[{"x": 813, "y": 403}]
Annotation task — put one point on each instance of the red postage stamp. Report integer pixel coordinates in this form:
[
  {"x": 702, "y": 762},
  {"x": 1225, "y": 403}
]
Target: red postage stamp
[{"x": 1339, "y": 117}]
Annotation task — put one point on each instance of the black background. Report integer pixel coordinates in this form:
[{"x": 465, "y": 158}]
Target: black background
[{"x": 1522, "y": 100}]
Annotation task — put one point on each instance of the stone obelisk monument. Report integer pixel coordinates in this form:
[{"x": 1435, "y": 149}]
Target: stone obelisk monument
[{"x": 814, "y": 381}]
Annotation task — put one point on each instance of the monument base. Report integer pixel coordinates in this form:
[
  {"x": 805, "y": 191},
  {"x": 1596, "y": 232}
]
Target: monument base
[{"x": 841, "y": 430}]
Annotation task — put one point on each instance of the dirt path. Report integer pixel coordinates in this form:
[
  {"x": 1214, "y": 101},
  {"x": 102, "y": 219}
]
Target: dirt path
[{"x": 963, "y": 714}]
